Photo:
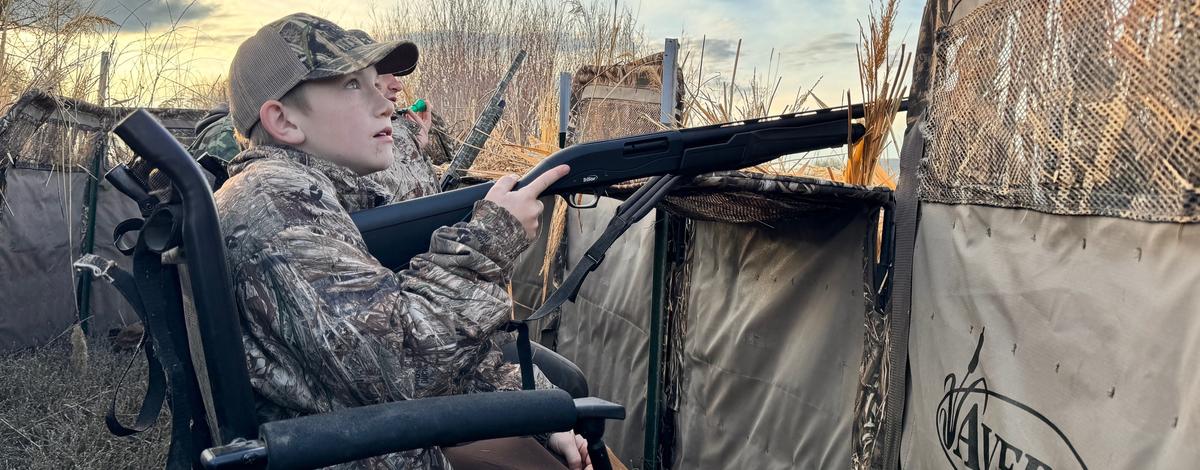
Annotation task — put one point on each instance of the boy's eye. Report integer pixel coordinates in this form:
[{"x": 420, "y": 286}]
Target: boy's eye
[{"x": 353, "y": 84}]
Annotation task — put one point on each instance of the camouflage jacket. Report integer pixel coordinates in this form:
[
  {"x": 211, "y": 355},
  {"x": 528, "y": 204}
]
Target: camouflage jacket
[
  {"x": 411, "y": 175},
  {"x": 327, "y": 327}
]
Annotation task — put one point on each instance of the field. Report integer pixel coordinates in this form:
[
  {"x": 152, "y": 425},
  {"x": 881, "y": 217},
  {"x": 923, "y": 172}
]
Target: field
[{"x": 52, "y": 416}]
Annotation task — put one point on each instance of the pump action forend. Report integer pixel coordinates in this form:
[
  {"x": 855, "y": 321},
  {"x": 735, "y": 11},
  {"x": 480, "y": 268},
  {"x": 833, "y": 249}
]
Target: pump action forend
[{"x": 396, "y": 232}]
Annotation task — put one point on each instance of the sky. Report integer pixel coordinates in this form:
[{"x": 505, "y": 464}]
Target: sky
[{"x": 813, "y": 41}]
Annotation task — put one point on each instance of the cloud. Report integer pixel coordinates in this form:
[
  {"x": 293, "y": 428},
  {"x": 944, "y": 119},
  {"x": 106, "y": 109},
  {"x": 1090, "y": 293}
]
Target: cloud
[
  {"x": 832, "y": 43},
  {"x": 719, "y": 50},
  {"x": 151, "y": 15},
  {"x": 830, "y": 47}
]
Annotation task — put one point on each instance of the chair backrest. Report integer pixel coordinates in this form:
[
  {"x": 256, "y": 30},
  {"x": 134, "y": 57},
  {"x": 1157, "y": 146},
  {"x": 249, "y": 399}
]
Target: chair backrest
[{"x": 201, "y": 322}]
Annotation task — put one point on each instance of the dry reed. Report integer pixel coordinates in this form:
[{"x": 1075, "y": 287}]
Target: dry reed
[
  {"x": 55, "y": 46},
  {"x": 53, "y": 417},
  {"x": 881, "y": 80}
]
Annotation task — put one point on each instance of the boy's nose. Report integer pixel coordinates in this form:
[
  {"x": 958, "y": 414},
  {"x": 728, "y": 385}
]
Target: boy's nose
[{"x": 384, "y": 106}]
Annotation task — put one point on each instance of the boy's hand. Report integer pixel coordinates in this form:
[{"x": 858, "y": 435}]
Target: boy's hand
[
  {"x": 573, "y": 448},
  {"x": 424, "y": 119},
  {"x": 523, "y": 203}
]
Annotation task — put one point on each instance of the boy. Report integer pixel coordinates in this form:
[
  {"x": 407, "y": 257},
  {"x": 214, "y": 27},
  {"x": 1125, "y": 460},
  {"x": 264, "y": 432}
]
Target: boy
[
  {"x": 412, "y": 174},
  {"x": 326, "y": 327}
]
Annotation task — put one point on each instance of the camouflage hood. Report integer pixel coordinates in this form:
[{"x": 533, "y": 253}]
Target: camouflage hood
[
  {"x": 214, "y": 136},
  {"x": 355, "y": 193}
]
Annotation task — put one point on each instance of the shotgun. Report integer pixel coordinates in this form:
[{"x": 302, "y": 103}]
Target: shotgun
[{"x": 395, "y": 233}]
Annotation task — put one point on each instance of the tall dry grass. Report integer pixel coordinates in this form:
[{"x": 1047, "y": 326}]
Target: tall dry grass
[
  {"x": 881, "y": 78},
  {"x": 714, "y": 99},
  {"x": 467, "y": 45},
  {"x": 46, "y": 44},
  {"x": 718, "y": 96},
  {"x": 55, "y": 46},
  {"x": 52, "y": 415}
]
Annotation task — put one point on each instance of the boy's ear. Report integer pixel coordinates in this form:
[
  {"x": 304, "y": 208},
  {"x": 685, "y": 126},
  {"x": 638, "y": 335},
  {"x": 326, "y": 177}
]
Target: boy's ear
[{"x": 279, "y": 122}]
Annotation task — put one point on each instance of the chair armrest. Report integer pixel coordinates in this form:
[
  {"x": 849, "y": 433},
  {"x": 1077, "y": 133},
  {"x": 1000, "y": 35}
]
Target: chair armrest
[
  {"x": 561, "y": 371},
  {"x": 356, "y": 433}
]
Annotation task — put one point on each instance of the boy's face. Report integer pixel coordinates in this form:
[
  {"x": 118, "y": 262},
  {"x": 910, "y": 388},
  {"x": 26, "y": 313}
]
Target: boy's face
[{"x": 348, "y": 122}]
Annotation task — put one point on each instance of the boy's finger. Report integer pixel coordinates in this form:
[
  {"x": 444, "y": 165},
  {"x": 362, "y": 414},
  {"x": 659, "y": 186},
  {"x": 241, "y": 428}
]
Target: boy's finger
[
  {"x": 573, "y": 461},
  {"x": 582, "y": 443},
  {"x": 504, "y": 185},
  {"x": 546, "y": 179}
]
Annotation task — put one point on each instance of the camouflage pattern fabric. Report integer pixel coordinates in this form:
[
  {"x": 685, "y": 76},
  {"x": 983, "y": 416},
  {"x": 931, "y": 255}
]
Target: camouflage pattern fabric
[
  {"x": 354, "y": 193},
  {"x": 216, "y": 139},
  {"x": 327, "y": 327},
  {"x": 741, "y": 197},
  {"x": 769, "y": 183},
  {"x": 441, "y": 143},
  {"x": 412, "y": 174},
  {"x": 327, "y": 50}
]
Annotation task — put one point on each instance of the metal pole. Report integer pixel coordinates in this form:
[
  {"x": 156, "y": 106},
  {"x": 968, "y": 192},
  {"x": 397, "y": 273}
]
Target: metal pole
[
  {"x": 653, "y": 375},
  {"x": 667, "y": 110},
  {"x": 83, "y": 297},
  {"x": 658, "y": 298},
  {"x": 564, "y": 107}
]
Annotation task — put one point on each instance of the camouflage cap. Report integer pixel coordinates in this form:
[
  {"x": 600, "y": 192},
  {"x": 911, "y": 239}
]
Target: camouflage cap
[
  {"x": 298, "y": 48},
  {"x": 216, "y": 138},
  {"x": 366, "y": 38}
]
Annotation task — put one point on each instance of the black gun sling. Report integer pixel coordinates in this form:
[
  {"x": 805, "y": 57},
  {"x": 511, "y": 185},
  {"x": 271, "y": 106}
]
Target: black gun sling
[
  {"x": 148, "y": 292},
  {"x": 156, "y": 389},
  {"x": 628, "y": 213}
]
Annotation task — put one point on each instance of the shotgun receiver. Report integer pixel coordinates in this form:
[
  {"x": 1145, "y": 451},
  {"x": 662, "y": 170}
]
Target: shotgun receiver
[{"x": 396, "y": 232}]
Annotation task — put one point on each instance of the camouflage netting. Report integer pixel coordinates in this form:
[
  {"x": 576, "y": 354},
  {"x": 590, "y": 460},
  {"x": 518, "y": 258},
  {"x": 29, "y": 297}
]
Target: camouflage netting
[
  {"x": 1068, "y": 107},
  {"x": 47, "y": 132},
  {"x": 615, "y": 101},
  {"x": 738, "y": 197}
]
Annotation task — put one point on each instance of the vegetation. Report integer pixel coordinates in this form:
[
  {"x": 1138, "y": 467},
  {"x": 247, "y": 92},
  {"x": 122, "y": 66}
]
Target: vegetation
[{"x": 52, "y": 414}]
